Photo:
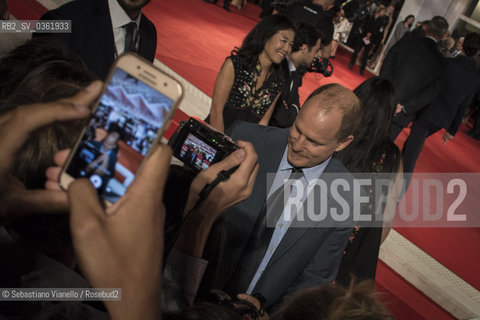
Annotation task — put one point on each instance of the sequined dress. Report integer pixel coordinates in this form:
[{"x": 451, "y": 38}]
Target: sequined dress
[
  {"x": 360, "y": 256},
  {"x": 245, "y": 102}
]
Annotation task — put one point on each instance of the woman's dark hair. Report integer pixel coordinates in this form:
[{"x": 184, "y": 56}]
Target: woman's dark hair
[
  {"x": 471, "y": 44},
  {"x": 255, "y": 40},
  {"x": 372, "y": 137},
  {"x": 408, "y": 17}
]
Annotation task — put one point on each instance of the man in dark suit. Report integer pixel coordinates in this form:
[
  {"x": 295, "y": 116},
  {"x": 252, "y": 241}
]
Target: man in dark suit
[
  {"x": 306, "y": 47},
  {"x": 276, "y": 257},
  {"x": 448, "y": 109},
  {"x": 104, "y": 29},
  {"x": 417, "y": 70}
]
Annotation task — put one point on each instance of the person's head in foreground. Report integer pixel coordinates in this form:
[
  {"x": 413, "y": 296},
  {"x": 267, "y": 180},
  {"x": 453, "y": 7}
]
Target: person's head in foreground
[{"x": 358, "y": 302}]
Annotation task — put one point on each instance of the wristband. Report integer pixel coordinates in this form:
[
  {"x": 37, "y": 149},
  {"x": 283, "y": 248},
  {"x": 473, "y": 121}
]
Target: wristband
[{"x": 223, "y": 175}]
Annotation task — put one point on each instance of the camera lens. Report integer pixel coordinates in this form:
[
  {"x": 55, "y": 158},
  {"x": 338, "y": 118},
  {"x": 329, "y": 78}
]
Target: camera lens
[
  {"x": 165, "y": 84},
  {"x": 138, "y": 67}
]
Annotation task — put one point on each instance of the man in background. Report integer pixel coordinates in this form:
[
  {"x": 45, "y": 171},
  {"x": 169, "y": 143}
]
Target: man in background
[
  {"x": 448, "y": 109},
  {"x": 306, "y": 47},
  {"x": 417, "y": 70},
  {"x": 104, "y": 29}
]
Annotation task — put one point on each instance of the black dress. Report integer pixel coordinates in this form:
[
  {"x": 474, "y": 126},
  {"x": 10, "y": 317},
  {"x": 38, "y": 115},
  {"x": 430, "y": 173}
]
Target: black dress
[
  {"x": 245, "y": 102},
  {"x": 360, "y": 256}
]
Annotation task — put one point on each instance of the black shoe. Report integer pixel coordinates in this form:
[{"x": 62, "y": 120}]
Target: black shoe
[
  {"x": 350, "y": 66},
  {"x": 361, "y": 72},
  {"x": 471, "y": 135},
  {"x": 227, "y": 8}
]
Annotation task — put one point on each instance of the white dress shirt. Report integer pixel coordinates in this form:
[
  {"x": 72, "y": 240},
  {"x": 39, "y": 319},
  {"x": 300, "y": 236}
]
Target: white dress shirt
[
  {"x": 310, "y": 175},
  {"x": 119, "y": 20}
]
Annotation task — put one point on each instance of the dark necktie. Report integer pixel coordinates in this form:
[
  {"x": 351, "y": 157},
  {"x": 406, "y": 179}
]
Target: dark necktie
[
  {"x": 261, "y": 235},
  {"x": 275, "y": 204},
  {"x": 130, "y": 36},
  {"x": 292, "y": 79}
]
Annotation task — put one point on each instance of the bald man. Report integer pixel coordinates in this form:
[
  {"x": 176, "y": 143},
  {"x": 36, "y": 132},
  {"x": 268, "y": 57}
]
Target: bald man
[{"x": 266, "y": 252}]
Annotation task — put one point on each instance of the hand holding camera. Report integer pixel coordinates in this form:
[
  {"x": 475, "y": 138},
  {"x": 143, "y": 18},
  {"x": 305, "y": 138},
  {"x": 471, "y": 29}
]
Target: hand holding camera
[
  {"x": 232, "y": 191},
  {"x": 200, "y": 216}
]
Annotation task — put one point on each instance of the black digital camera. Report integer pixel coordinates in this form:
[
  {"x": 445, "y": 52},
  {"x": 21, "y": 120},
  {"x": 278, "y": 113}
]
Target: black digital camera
[
  {"x": 279, "y": 5},
  {"x": 241, "y": 307},
  {"x": 322, "y": 66},
  {"x": 199, "y": 145}
]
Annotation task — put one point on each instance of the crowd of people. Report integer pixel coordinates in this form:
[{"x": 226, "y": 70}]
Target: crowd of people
[{"x": 243, "y": 249}]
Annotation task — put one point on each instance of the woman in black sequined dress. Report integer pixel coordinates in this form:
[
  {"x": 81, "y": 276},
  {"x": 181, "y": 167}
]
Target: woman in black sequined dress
[
  {"x": 250, "y": 81},
  {"x": 374, "y": 153}
]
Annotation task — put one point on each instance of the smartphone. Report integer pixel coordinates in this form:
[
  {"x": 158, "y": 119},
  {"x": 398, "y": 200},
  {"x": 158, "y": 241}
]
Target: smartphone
[{"x": 132, "y": 113}]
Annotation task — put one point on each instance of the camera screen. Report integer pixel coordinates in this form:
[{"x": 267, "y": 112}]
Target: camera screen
[
  {"x": 119, "y": 134},
  {"x": 196, "y": 153}
]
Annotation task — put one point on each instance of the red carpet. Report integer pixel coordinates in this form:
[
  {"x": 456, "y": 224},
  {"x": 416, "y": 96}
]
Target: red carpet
[
  {"x": 26, "y": 9},
  {"x": 403, "y": 300},
  {"x": 453, "y": 247},
  {"x": 195, "y": 37}
]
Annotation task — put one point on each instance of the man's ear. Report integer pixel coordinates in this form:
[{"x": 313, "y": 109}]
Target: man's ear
[
  {"x": 304, "y": 48},
  {"x": 344, "y": 143}
]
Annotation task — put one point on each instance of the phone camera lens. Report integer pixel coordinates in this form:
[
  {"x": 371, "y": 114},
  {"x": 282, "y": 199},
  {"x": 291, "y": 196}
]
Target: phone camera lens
[
  {"x": 138, "y": 67},
  {"x": 165, "y": 84}
]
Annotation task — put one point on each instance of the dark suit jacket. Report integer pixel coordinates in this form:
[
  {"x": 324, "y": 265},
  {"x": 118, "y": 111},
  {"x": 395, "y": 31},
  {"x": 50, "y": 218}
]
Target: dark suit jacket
[
  {"x": 284, "y": 116},
  {"x": 92, "y": 35},
  {"x": 306, "y": 257},
  {"x": 417, "y": 70},
  {"x": 452, "y": 103}
]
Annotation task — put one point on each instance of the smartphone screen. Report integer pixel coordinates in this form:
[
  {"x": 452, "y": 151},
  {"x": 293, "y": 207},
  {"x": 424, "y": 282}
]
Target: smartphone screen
[{"x": 119, "y": 135}]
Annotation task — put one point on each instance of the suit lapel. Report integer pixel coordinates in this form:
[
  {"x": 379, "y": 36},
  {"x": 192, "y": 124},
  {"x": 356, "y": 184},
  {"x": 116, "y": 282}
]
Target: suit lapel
[
  {"x": 269, "y": 163},
  {"x": 270, "y": 147},
  {"x": 294, "y": 233},
  {"x": 105, "y": 34}
]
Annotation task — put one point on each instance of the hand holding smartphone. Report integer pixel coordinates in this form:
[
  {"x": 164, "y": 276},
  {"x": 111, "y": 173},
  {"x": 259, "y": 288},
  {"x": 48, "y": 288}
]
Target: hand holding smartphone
[{"x": 132, "y": 113}]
